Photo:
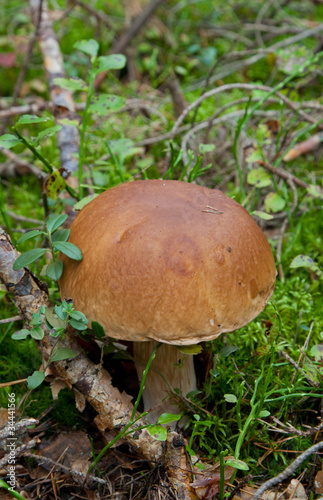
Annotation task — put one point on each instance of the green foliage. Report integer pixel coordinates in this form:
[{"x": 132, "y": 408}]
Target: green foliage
[
  {"x": 57, "y": 323},
  {"x": 248, "y": 381}
]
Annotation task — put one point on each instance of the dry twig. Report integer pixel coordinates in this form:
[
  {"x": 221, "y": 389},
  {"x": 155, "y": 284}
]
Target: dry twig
[{"x": 288, "y": 471}]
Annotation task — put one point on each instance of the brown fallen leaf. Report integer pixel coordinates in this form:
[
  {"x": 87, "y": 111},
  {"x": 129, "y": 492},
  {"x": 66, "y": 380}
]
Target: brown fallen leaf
[{"x": 318, "y": 482}]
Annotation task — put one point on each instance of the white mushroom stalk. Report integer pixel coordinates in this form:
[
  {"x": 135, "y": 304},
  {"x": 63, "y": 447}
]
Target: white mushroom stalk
[{"x": 170, "y": 370}]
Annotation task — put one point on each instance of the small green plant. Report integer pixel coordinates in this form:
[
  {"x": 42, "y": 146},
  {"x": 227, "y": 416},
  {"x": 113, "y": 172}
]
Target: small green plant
[
  {"x": 57, "y": 242},
  {"x": 56, "y": 320},
  {"x": 98, "y": 104},
  {"x": 55, "y": 183}
]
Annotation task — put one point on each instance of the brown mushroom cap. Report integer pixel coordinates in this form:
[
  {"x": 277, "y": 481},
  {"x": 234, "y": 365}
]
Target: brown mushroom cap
[{"x": 161, "y": 262}]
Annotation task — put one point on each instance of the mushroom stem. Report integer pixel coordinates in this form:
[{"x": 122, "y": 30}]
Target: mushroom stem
[{"x": 170, "y": 370}]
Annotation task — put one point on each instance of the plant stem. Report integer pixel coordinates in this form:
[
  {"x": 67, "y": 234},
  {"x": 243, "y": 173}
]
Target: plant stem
[
  {"x": 48, "y": 166},
  {"x": 131, "y": 421},
  {"x": 83, "y": 128},
  {"x": 221, "y": 486}
]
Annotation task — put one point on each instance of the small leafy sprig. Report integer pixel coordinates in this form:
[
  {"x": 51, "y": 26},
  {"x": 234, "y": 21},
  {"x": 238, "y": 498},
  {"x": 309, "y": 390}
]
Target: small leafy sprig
[
  {"x": 57, "y": 239},
  {"x": 55, "y": 181},
  {"x": 56, "y": 320},
  {"x": 99, "y": 104}
]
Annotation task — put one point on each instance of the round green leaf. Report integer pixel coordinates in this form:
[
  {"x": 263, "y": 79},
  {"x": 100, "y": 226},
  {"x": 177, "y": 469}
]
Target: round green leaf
[
  {"x": 90, "y": 47},
  {"x": 37, "y": 333},
  {"x": 28, "y": 257},
  {"x": 52, "y": 318},
  {"x": 35, "y": 379},
  {"x": 21, "y": 334},
  {"x": 79, "y": 316},
  {"x": 167, "y": 418},
  {"x": 72, "y": 251},
  {"x": 63, "y": 353},
  {"x": 303, "y": 261},
  {"x": 54, "y": 270},
  {"x": 8, "y": 141},
  {"x": 274, "y": 203},
  {"x": 72, "y": 84},
  {"x": 26, "y": 119},
  {"x": 230, "y": 398},
  {"x": 78, "y": 325},
  {"x": 259, "y": 177},
  {"x": 237, "y": 464},
  {"x": 113, "y": 61},
  {"x": 157, "y": 432},
  {"x": 103, "y": 103}
]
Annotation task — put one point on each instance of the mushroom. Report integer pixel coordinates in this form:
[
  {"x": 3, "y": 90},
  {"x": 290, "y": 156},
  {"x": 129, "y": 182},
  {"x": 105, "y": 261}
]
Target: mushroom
[{"x": 171, "y": 262}]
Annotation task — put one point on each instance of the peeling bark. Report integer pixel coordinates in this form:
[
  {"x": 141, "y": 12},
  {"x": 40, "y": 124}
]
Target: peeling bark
[
  {"x": 178, "y": 472},
  {"x": 63, "y": 104}
]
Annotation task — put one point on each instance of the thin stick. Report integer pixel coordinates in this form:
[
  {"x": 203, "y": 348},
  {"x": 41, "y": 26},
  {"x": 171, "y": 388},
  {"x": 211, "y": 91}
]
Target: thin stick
[
  {"x": 288, "y": 471},
  {"x": 7, "y": 384},
  {"x": 299, "y": 369},
  {"x": 234, "y": 67}
]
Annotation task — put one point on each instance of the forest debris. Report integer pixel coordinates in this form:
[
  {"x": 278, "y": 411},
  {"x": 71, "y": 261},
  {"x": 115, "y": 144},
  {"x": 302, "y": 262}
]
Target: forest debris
[
  {"x": 318, "y": 482},
  {"x": 207, "y": 483},
  {"x": 176, "y": 465},
  {"x": 71, "y": 449}
]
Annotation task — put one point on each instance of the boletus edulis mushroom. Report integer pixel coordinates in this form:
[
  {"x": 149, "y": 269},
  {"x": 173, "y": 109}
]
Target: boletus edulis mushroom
[{"x": 171, "y": 262}]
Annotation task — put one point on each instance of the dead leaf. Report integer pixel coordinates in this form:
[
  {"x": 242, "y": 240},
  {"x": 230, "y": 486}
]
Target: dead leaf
[
  {"x": 318, "y": 482},
  {"x": 56, "y": 386},
  {"x": 296, "y": 490},
  {"x": 207, "y": 483},
  {"x": 66, "y": 448},
  {"x": 80, "y": 400}
]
